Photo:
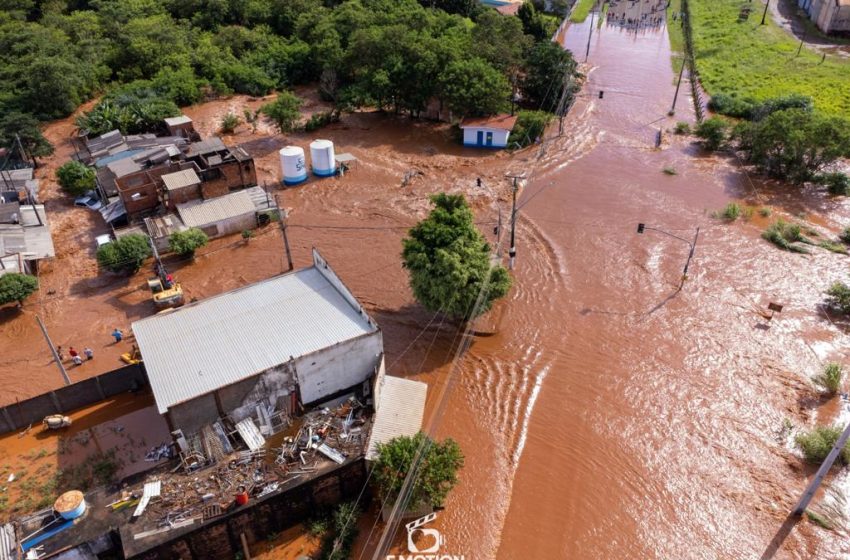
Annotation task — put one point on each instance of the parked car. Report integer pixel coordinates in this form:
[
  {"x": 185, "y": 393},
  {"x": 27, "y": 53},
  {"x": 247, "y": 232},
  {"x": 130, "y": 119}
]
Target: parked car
[
  {"x": 89, "y": 200},
  {"x": 102, "y": 240}
]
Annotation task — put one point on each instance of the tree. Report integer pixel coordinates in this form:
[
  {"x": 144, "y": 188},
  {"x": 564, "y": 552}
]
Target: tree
[
  {"x": 817, "y": 443},
  {"x": 530, "y": 126},
  {"x": 796, "y": 144},
  {"x": 285, "y": 111},
  {"x": 474, "y": 88},
  {"x": 229, "y": 122},
  {"x": 714, "y": 133},
  {"x": 547, "y": 70},
  {"x": 830, "y": 378},
  {"x": 186, "y": 242},
  {"x": 450, "y": 264},
  {"x": 126, "y": 254},
  {"x": 26, "y": 128},
  {"x": 76, "y": 178},
  {"x": 437, "y": 469},
  {"x": 16, "y": 287}
]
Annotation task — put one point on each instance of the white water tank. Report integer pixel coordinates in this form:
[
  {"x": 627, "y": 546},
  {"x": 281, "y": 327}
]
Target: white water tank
[
  {"x": 322, "y": 157},
  {"x": 293, "y": 165}
]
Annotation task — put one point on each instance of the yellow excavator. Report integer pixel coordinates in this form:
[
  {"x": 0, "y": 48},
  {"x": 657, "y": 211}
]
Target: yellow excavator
[{"x": 165, "y": 291}]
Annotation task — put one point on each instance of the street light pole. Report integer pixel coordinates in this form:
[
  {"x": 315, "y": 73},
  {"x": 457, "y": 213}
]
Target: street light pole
[{"x": 692, "y": 244}]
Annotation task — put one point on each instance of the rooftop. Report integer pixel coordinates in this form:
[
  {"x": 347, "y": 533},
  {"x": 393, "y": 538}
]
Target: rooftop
[
  {"x": 399, "y": 412},
  {"x": 208, "y": 146},
  {"x": 198, "y": 348},
  {"x": 180, "y": 179},
  {"x": 500, "y": 122},
  {"x": 201, "y": 213},
  {"x": 173, "y": 121},
  {"x": 31, "y": 240}
]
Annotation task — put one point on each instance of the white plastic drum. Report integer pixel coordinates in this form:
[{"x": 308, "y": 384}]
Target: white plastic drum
[
  {"x": 293, "y": 165},
  {"x": 323, "y": 158}
]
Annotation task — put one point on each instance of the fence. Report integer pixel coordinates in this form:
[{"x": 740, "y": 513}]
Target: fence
[
  {"x": 690, "y": 60},
  {"x": 71, "y": 397}
]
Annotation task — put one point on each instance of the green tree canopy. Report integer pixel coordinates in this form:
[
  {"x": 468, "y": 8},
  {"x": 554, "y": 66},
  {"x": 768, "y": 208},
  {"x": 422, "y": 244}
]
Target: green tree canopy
[
  {"x": 26, "y": 128},
  {"x": 76, "y": 178},
  {"x": 285, "y": 110},
  {"x": 188, "y": 241},
  {"x": 474, "y": 88},
  {"x": 547, "y": 66},
  {"x": 796, "y": 144},
  {"x": 436, "y": 474},
  {"x": 16, "y": 287},
  {"x": 126, "y": 254},
  {"x": 449, "y": 262}
]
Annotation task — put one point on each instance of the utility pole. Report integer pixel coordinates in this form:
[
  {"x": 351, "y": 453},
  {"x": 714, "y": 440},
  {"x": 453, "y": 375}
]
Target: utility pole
[
  {"x": 512, "y": 250},
  {"x": 53, "y": 351},
  {"x": 809, "y": 493},
  {"x": 590, "y": 34},
  {"x": 678, "y": 84},
  {"x": 283, "y": 217},
  {"x": 764, "y": 15}
]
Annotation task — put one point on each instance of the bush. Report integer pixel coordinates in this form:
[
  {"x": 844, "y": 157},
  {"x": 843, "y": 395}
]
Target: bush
[
  {"x": 837, "y": 184},
  {"x": 530, "y": 125},
  {"x": 731, "y": 212},
  {"x": 682, "y": 128},
  {"x": 76, "y": 178},
  {"x": 713, "y": 132},
  {"x": 731, "y": 106},
  {"x": 318, "y": 120},
  {"x": 186, "y": 242},
  {"x": 845, "y": 235},
  {"x": 16, "y": 287},
  {"x": 833, "y": 247},
  {"x": 817, "y": 443},
  {"x": 229, "y": 122},
  {"x": 285, "y": 110},
  {"x": 783, "y": 235},
  {"x": 667, "y": 170},
  {"x": 830, "y": 378},
  {"x": 126, "y": 254},
  {"x": 838, "y": 296}
]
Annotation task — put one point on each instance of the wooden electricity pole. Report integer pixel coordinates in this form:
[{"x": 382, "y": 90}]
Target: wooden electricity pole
[{"x": 53, "y": 351}]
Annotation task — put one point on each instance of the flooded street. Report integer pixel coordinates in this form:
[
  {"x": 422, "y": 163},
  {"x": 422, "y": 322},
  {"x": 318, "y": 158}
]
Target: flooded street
[{"x": 614, "y": 416}]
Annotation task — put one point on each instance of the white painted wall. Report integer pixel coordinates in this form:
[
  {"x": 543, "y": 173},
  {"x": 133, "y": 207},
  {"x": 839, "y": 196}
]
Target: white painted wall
[
  {"x": 500, "y": 137},
  {"x": 339, "y": 367}
]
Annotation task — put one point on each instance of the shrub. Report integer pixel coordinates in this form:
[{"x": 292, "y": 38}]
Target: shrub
[
  {"x": 731, "y": 106},
  {"x": 529, "y": 126},
  {"x": 188, "y": 241},
  {"x": 713, "y": 132},
  {"x": 817, "y": 443},
  {"x": 764, "y": 212},
  {"x": 783, "y": 235},
  {"x": 285, "y": 110},
  {"x": 833, "y": 247},
  {"x": 247, "y": 234},
  {"x": 16, "y": 287},
  {"x": 730, "y": 212},
  {"x": 229, "y": 122},
  {"x": 125, "y": 254},
  {"x": 76, "y": 178},
  {"x": 669, "y": 170},
  {"x": 837, "y": 184},
  {"x": 682, "y": 128},
  {"x": 830, "y": 378},
  {"x": 838, "y": 296},
  {"x": 845, "y": 235},
  {"x": 318, "y": 120}
]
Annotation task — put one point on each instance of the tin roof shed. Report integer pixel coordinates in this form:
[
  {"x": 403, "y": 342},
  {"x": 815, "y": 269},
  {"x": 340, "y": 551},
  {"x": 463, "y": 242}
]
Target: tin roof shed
[{"x": 214, "y": 210}]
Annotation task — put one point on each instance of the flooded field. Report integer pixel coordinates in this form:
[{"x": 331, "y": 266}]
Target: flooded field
[{"x": 612, "y": 415}]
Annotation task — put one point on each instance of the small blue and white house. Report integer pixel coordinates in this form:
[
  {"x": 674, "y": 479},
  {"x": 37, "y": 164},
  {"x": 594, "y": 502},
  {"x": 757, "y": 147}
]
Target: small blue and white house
[{"x": 488, "y": 132}]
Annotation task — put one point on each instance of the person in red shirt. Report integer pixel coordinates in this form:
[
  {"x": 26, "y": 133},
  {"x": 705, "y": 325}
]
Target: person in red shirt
[{"x": 73, "y": 352}]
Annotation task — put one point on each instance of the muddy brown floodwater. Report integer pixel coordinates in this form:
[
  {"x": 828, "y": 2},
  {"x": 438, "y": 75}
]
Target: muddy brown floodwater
[{"x": 611, "y": 415}]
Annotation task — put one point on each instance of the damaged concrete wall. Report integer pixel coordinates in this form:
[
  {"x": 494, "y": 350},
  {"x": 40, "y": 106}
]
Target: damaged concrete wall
[
  {"x": 193, "y": 415},
  {"x": 240, "y": 399},
  {"x": 339, "y": 367}
]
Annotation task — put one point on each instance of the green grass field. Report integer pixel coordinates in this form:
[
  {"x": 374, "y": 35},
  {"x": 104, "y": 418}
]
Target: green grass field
[
  {"x": 582, "y": 10},
  {"x": 759, "y": 61}
]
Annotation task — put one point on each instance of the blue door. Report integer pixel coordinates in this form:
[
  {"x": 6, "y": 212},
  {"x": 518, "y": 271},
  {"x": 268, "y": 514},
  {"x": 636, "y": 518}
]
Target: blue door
[
  {"x": 489, "y": 138},
  {"x": 480, "y": 137}
]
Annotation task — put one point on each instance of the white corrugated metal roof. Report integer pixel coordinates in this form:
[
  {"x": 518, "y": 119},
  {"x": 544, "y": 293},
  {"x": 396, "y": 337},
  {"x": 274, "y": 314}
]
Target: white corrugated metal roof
[
  {"x": 180, "y": 179},
  {"x": 221, "y": 340},
  {"x": 198, "y": 214},
  {"x": 399, "y": 413}
]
